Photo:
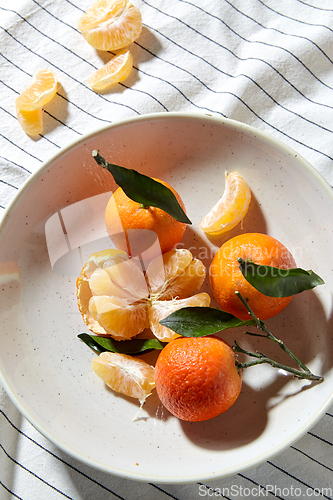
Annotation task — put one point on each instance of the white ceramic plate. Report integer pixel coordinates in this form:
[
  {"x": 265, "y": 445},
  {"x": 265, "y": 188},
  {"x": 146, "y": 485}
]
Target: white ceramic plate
[{"x": 56, "y": 221}]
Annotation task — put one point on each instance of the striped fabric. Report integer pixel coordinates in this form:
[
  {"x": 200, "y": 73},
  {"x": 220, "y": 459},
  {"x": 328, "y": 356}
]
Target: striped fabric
[{"x": 266, "y": 63}]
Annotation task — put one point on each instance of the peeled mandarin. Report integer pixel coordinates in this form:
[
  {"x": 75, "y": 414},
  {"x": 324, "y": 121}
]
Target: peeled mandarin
[{"x": 111, "y": 24}]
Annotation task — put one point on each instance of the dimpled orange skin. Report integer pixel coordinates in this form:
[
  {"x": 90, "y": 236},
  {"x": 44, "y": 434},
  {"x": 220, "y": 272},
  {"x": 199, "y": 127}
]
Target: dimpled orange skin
[
  {"x": 196, "y": 378},
  {"x": 226, "y": 277},
  {"x": 135, "y": 217}
]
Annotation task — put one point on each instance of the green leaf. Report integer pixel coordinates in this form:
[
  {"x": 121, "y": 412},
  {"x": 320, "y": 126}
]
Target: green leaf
[
  {"x": 276, "y": 282},
  {"x": 201, "y": 321},
  {"x": 136, "y": 346},
  {"x": 144, "y": 189}
]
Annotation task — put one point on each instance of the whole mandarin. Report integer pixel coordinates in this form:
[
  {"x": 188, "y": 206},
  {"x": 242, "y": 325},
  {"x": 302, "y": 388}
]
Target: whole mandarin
[
  {"x": 197, "y": 378},
  {"x": 226, "y": 277},
  {"x": 135, "y": 228}
]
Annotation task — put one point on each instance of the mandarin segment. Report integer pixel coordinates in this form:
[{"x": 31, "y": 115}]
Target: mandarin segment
[
  {"x": 160, "y": 309},
  {"x": 165, "y": 271},
  {"x": 115, "y": 71},
  {"x": 41, "y": 90},
  {"x": 186, "y": 283},
  {"x": 197, "y": 378},
  {"x": 124, "y": 374},
  {"x": 111, "y": 24},
  {"x": 226, "y": 277},
  {"x": 30, "y": 121},
  {"x": 111, "y": 292},
  {"x": 230, "y": 209},
  {"x": 103, "y": 259},
  {"x": 118, "y": 318},
  {"x": 129, "y": 277}
]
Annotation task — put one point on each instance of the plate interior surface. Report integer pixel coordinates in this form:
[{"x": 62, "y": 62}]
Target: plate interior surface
[{"x": 57, "y": 221}]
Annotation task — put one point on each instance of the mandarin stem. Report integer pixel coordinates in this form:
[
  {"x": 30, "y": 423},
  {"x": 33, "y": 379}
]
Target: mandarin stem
[
  {"x": 99, "y": 159},
  {"x": 261, "y": 325},
  {"x": 262, "y": 358}
]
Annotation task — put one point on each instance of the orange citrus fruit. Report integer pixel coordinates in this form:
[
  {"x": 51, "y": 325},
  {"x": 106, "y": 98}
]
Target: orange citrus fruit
[
  {"x": 230, "y": 209},
  {"x": 41, "y": 90},
  {"x": 174, "y": 275},
  {"x": 30, "y": 121},
  {"x": 116, "y": 70},
  {"x": 117, "y": 299},
  {"x": 197, "y": 378},
  {"x": 226, "y": 278},
  {"x": 112, "y": 294},
  {"x": 125, "y": 374},
  {"x": 172, "y": 279},
  {"x": 129, "y": 224},
  {"x": 160, "y": 309},
  {"x": 111, "y": 24}
]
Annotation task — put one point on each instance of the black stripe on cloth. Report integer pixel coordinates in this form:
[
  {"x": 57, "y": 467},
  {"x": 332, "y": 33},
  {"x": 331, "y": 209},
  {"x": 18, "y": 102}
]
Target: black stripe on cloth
[
  {"x": 61, "y": 123},
  {"x": 41, "y": 135},
  {"x": 297, "y": 20},
  {"x": 16, "y": 164},
  {"x": 239, "y": 75},
  {"x": 10, "y": 491},
  {"x": 83, "y": 111},
  {"x": 296, "y": 478},
  {"x": 176, "y": 88},
  {"x": 67, "y": 74},
  {"x": 14, "y": 144},
  {"x": 58, "y": 458},
  {"x": 47, "y": 138},
  {"x": 137, "y": 69},
  {"x": 34, "y": 474},
  {"x": 164, "y": 491},
  {"x": 49, "y": 114},
  {"x": 320, "y": 438},
  {"x": 75, "y": 6},
  {"x": 83, "y": 59},
  {"x": 63, "y": 22},
  {"x": 268, "y": 45},
  {"x": 236, "y": 97},
  {"x": 311, "y": 458},
  {"x": 299, "y": 142},
  {"x": 15, "y": 66},
  {"x": 275, "y": 29},
  {"x": 60, "y": 95},
  {"x": 7, "y": 184},
  {"x": 329, "y": 414},
  {"x": 206, "y": 61},
  {"x": 47, "y": 36},
  {"x": 313, "y": 6}
]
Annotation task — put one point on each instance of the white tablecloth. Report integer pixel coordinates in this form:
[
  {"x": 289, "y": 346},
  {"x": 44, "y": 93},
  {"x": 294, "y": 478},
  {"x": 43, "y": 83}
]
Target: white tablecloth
[{"x": 266, "y": 63}]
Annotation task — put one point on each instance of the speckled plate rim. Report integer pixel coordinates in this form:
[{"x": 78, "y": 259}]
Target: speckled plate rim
[{"x": 235, "y": 125}]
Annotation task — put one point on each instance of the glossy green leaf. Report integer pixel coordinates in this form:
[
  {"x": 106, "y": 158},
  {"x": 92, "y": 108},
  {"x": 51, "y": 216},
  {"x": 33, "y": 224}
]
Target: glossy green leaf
[
  {"x": 143, "y": 189},
  {"x": 201, "y": 321},
  {"x": 136, "y": 346},
  {"x": 276, "y": 282}
]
